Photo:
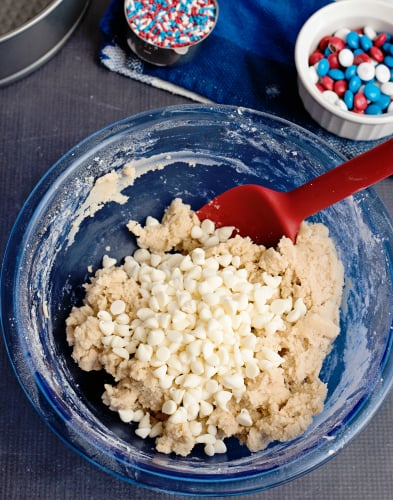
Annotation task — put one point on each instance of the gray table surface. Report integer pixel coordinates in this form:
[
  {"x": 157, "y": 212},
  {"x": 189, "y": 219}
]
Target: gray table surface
[{"x": 41, "y": 117}]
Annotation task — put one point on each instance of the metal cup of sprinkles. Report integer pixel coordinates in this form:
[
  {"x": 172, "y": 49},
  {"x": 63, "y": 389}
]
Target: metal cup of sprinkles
[{"x": 167, "y": 32}]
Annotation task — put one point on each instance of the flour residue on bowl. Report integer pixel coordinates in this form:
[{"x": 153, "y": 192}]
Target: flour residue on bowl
[
  {"x": 105, "y": 189},
  {"x": 110, "y": 187}
]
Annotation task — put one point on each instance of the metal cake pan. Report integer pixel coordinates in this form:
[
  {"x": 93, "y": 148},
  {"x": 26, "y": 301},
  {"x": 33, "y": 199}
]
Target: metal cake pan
[{"x": 32, "y": 31}]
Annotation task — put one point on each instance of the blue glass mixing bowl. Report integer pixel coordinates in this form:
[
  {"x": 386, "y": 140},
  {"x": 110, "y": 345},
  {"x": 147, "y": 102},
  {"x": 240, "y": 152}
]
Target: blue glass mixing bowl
[{"x": 193, "y": 152}]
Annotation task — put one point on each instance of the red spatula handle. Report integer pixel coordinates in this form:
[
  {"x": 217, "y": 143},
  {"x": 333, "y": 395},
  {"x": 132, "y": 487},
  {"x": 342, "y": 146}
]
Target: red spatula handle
[{"x": 344, "y": 180}]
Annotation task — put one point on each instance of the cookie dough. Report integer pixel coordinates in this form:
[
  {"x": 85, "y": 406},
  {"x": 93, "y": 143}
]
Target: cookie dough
[{"x": 209, "y": 335}]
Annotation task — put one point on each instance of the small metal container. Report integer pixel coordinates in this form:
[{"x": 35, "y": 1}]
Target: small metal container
[
  {"x": 32, "y": 31},
  {"x": 160, "y": 56}
]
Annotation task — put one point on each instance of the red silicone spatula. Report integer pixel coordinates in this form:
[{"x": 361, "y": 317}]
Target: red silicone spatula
[{"x": 266, "y": 215}]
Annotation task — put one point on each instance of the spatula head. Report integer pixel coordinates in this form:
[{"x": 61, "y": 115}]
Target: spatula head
[{"x": 255, "y": 211}]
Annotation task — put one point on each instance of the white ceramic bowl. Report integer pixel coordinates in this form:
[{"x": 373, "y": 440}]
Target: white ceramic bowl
[{"x": 350, "y": 14}]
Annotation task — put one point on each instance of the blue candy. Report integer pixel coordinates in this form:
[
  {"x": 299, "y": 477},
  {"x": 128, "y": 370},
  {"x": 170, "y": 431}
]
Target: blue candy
[
  {"x": 336, "y": 74},
  {"x": 383, "y": 101},
  {"x": 323, "y": 67},
  {"x": 366, "y": 43},
  {"x": 388, "y": 61},
  {"x": 354, "y": 84},
  {"x": 373, "y": 109},
  {"x": 356, "y": 52},
  {"x": 348, "y": 99},
  {"x": 372, "y": 92},
  {"x": 351, "y": 71},
  {"x": 352, "y": 40}
]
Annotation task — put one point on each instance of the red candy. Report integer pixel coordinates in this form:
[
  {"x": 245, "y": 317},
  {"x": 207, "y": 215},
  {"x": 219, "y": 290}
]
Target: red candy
[
  {"x": 315, "y": 57},
  {"x": 340, "y": 86},
  {"x": 323, "y": 43},
  {"x": 361, "y": 58},
  {"x": 327, "y": 82},
  {"x": 380, "y": 39},
  {"x": 320, "y": 87},
  {"x": 336, "y": 44},
  {"x": 333, "y": 61},
  {"x": 359, "y": 102},
  {"x": 377, "y": 54}
]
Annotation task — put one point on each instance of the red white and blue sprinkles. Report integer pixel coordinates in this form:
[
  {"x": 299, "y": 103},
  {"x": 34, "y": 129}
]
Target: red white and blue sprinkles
[
  {"x": 354, "y": 70},
  {"x": 171, "y": 24}
]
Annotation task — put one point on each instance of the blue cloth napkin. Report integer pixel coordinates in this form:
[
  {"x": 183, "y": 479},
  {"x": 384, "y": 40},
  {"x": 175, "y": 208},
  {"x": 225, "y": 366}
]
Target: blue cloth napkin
[{"x": 248, "y": 60}]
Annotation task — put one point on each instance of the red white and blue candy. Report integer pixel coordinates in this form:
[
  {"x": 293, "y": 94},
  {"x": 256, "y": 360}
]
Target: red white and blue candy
[
  {"x": 354, "y": 70},
  {"x": 171, "y": 24}
]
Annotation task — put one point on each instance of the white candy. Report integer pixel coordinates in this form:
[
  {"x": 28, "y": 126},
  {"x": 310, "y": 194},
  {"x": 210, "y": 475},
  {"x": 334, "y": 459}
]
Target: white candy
[
  {"x": 342, "y": 33},
  {"x": 366, "y": 71},
  {"x": 330, "y": 96},
  {"x": 341, "y": 104},
  {"x": 370, "y": 32},
  {"x": 313, "y": 74},
  {"x": 382, "y": 73},
  {"x": 346, "y": 57},
  {"x": 387, "y": 88}
]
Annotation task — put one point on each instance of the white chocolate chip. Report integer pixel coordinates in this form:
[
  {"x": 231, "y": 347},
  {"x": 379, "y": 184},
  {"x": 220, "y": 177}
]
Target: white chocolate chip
[
  {"x": 244, "y": 418},
  {"x": 117, "y": 307}
]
